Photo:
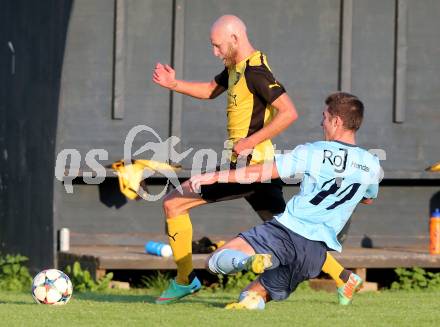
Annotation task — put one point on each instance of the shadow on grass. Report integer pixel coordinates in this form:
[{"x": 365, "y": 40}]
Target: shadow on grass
[
  {"x": 123, "y": 298},
  {"x": 206, "y": 302},
  {"x": 18, "y": 302},
  {"x": 320, "y": 302},
  {"x": 213, "y": 300}
]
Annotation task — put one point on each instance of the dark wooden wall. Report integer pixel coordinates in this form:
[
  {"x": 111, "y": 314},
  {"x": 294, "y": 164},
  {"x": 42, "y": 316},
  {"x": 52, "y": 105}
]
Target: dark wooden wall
[{"x": 29, "y": 94}]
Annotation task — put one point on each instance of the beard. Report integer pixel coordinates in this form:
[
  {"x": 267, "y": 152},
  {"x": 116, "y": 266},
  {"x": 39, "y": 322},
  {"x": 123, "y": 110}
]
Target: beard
[{"x": 229, "y": 58}]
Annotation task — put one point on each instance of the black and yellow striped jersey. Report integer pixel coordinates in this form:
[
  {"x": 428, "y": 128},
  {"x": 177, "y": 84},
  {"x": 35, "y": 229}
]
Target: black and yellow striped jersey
[{"x": 251, "y": 89}]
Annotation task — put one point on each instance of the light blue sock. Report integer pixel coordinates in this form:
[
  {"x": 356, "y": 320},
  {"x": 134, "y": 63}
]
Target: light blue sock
[{"x": 228, "y": 261}]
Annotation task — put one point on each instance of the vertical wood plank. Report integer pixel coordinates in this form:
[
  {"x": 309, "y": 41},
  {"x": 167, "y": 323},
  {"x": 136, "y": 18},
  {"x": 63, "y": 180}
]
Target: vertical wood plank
[
  {"x": 400, "y": 68},
  {"x": 346, "y": 45},
  {"x": 176, "y": 103},
  {"x": 118, "y": 61}
]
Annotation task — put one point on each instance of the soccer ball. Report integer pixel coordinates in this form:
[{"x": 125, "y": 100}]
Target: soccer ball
[{"x": 51, "y": 286}]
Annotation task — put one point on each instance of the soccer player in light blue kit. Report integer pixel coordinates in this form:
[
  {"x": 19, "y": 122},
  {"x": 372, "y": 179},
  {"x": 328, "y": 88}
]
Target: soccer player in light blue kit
[{"x": 336, "y": 175}]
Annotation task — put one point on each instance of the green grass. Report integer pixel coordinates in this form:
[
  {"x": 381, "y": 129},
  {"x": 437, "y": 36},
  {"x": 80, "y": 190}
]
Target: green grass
[{"x": 303, "y": 308}]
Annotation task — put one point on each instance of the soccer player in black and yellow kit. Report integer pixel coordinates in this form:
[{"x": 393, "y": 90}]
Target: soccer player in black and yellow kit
[{"x": 258, "y": 109}]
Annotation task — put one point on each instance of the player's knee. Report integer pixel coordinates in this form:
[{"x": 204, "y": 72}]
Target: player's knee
[
  {"x": 210, "y": 263},
  {"x": 166, "y": 204},
  {"x": 213, "y": 263},
  {"x": 207, "y": 263},
  {"x": 170, "y": 206},
  {"x": 174, "y": 203}
]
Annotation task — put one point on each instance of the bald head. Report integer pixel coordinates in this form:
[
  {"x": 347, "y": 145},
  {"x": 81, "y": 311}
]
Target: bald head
[
  {"x": 229, "y": 39},
  {"x": 230, "y": 25}
]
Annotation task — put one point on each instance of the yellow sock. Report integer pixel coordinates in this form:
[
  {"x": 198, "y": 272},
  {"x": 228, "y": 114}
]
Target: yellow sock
[
  {"x": 180, "y": 237},
  {"x": 334, "y": 269}
]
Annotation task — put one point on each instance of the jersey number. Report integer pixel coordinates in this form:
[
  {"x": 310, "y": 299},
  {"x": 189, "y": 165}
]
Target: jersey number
[{"x": 352, "y": 189}]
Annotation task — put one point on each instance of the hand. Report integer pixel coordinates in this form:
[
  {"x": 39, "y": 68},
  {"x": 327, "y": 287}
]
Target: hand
[
  {"x": 367, "y": 201},
  {"x": 243, "y": 147},
  {"x": 165, "y": 76},
  {"x": 197, "y": 181}
]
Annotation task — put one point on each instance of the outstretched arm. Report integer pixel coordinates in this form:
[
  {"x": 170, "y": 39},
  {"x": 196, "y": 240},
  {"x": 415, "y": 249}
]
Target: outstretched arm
[
  {"x": 165, "y": 76},
  {"x": 245, "y": 175}
]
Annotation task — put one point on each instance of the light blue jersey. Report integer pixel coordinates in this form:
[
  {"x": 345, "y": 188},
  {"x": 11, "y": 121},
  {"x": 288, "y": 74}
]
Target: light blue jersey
[{"x": 336, "y": 177}]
